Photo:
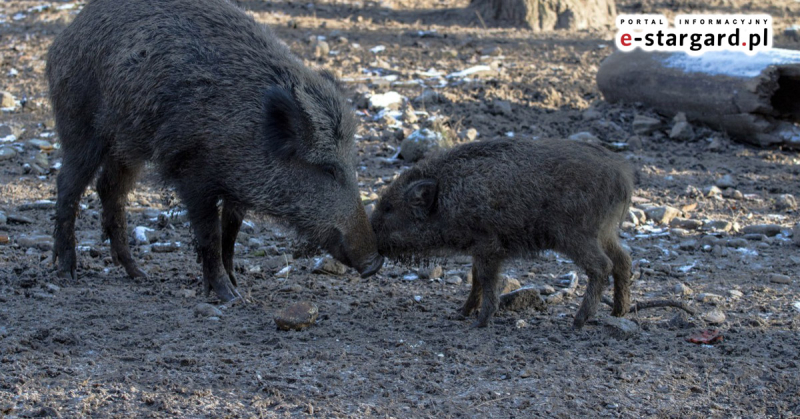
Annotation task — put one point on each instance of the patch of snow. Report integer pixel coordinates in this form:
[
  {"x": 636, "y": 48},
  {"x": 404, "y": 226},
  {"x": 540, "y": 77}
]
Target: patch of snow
[{"x": 732, "y": 63}]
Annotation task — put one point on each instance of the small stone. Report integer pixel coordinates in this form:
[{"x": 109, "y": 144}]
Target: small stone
[
  {"x": 321, "y": 49},
  {"x": 329, "y": 266},
  {"x": 501, "y": 107},
  {"x": 297, "y": 316},
  {"x": 429, "y": 97},
  {"x": 388, "y": 100},
  {"x": 284, "y": 272},
  {"x": 546, "y": 289},
  {"x": 715, "y": 144},
  {"x": 639, "y": 214},
  {"x": 521, "y": 323},
  {"x": 714, "y": 317},
  {"x": 682, "y": 290},
  {"x": 522, "y": 299},
  {"x": 786, "y": 202},
  {"x": 780, "y": 279},
  {"x": 40, "y": 242},
  {"x": 43, "y": 204},
  {"x": 725, "y": 182},
  {"x": 468, "y": 134},
  {"x": 712, "y": 191},
  {"x": 635, "y": 143},
  {"x": 492, "y": 51},
  {"x": 682, "y": 131},
  {"x": 409, "y": 117},
  {"x": 7, "y": 153},
  {"x": 645, "y": 125},
  {"x": 718, "y": 225},
  {"x": 584, "y": 136},
  {"x": 737, "y": 243},
  {"x": 206, "y": 310},
  {"x": 163, "y": 247},
  {"x": 680, "y": 117},
  {"x": 688, "y": 245},
  {"x": 453, "y": 280},
  {"x": 419, "y": 143},
  {"x": 620, "y": 328},
  {"x": 733, "y": 194},
  {"x": 39, "y": 144},
  {"x": 185, "y": 293},
  {"x": 662, "y": 215},
  {"x": 52, "y": 287},
  {"x": 510, "y": 284},
  {"x": 768, "y": 230},
  {"x": 143, "y": 235},
  {"x": 591, "y": 114},
  {"x": 754, "y": 237},
  {"x": 735, "y": 294},
  {"x": 707, "y": 297},
  {"x": 685, "y": 223},
  {"x": 431, "y": 272},
  {"x": 7, "y": 100},
  {"x": 4, "y": 239}
]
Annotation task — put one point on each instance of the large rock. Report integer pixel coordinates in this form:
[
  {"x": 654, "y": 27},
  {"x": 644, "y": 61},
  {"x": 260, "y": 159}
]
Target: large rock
[
  {"x": 545, "y": 15},
  {"x": 297, "y": 316}
]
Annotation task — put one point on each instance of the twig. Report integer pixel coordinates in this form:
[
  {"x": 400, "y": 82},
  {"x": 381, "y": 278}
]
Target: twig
[
  {"x": 641, "y": 305},
  {"x": 477, "y": 13}
]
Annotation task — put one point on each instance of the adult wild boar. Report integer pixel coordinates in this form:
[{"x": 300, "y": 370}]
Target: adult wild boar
[
  {"x": 226, "y": 113},
  {"x": 505, "y": 198}
]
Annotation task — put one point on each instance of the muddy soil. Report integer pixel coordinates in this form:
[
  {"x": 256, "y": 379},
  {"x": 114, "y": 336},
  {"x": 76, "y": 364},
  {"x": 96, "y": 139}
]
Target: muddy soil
[{"x": 391, "y": 345}]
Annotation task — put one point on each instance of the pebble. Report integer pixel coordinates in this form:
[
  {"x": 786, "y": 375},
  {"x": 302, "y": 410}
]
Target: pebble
[
  {"x": 712, "y": 191},
  {"x": 786, "y": 202},
  {"x": 7, "y": 100},
  {"x": 733, "y": 194},
  {"x": 428, "y": 96},
  {"x": 685, "y": 223},
  {"x": 639, "y": 214},
  {"x": 522, "y": 299},
  {"x": 38, "y": 205},
  {"x": 40, "y": 242},
  {"x": 185, "y": 293},
  {"x": 163, "y": 247},
  {"x": 755, "y": 237},
  {"x": 7, "y": 153},
  {"x": 546, "y": 289},
  {"x": 780, "y": 279},
  {"x": 3, "y": 218},
  {"x": 329, "y": 266},
  {"x": 662, "y": 215},
  {"x": 419, "y": 143},
  {"x": 707, "y": 297},
  {"x": 620, "y": 328},
  {"x": 409, "y": 116},
  {"x": 453, "y": 280},
  {"x": 726, "y": 182},
  {"x": 645, "y": 125},
  {"x": 52, "y": 287},
  {"x": 389, "y": 100},
  {"x": 682, "y": 290},
  {"x": 714, "y": 317},
  {"x": 143, "y": 235},
  {"x": 469, "y": 134},
  {"x": 284, "y": 272},
  {"x": 737, "y": 243},
  {"x": 682, "y": 131},
  {"x": 297, "y": 316},
  {"x": 735, "y": 294},
  {"x": 18, "y": 219},
  {"x": 4, "y": 239},
  {"x": 501, "y": 107},
  {"x": 431, "y": 272},
  {"x": 510, "y": 285},
  {"x": 718, "y": 225},
  {"x": 207, "y": 310},
  {"x": 768, "y": 230},
  {"x": 39, "y": 144},
  {"x": 321, "y": 49},
  {"x": 584, "y": 136}
]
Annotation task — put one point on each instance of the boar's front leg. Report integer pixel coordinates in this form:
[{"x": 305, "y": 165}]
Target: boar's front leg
[
  {"x": 485, "y": 272},
  {"x": 232, "y": 216},
  {"x": 204, "y": 216}
]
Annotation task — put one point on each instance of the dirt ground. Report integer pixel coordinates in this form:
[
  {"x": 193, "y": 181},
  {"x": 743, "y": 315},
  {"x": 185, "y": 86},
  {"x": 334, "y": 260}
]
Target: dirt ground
[{"x": 390, "y": 345}]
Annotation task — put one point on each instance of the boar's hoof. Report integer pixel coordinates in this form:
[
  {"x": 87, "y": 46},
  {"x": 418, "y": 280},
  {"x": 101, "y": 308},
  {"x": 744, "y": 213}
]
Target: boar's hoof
[
  {"x": 224, "y": 289},
  {"x": 135, "y": 272},
  {"x": 67, "y": 274},
  {"x": 373, "y": 267}
]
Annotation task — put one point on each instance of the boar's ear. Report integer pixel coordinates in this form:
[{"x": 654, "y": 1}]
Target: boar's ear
[
  {"x": 285, "y": 123},
  {"x": 422, "y": 196}
]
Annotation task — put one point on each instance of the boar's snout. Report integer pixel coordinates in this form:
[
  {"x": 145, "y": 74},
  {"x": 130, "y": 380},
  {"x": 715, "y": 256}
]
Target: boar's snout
[{"x": 356, "y": 247}]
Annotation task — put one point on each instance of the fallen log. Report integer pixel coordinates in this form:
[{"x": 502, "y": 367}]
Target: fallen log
[{"x": 753, "y": 98}]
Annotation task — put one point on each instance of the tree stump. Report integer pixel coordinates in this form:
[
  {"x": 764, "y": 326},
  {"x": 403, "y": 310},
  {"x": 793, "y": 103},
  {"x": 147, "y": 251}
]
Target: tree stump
[{"x": 546, "y": 15}]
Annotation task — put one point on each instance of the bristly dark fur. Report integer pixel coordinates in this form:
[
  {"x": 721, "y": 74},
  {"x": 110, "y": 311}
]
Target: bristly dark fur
[
  {"x": 509, "y": 198},
  {"x": 224, "y": 110}
]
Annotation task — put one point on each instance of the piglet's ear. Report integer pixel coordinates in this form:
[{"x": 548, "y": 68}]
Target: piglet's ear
[
  {"x": 285, "y": 123},
  {"x": 421, "y": 195}
]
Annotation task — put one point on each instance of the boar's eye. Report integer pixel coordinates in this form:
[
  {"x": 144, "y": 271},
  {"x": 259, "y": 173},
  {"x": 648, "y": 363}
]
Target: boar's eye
[{"x": 387, "y": 207}]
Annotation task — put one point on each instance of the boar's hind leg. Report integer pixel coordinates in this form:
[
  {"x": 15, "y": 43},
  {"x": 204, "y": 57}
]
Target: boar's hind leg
[
  {"x": 113, "y": 185},
  {"x": 475, "y": 296},
  {"x": 588, "y": 255},
  {"x": 622, "y": 275},
  {"x": 487, "y": 270},
  {"x": 204, "y": 216},
  {"x": 232, "y": 216},
  {"x": 79, "y": 166}
]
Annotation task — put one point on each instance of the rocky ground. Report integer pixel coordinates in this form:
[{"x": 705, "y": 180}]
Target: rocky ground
[{"x": 711, "y": 227}]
